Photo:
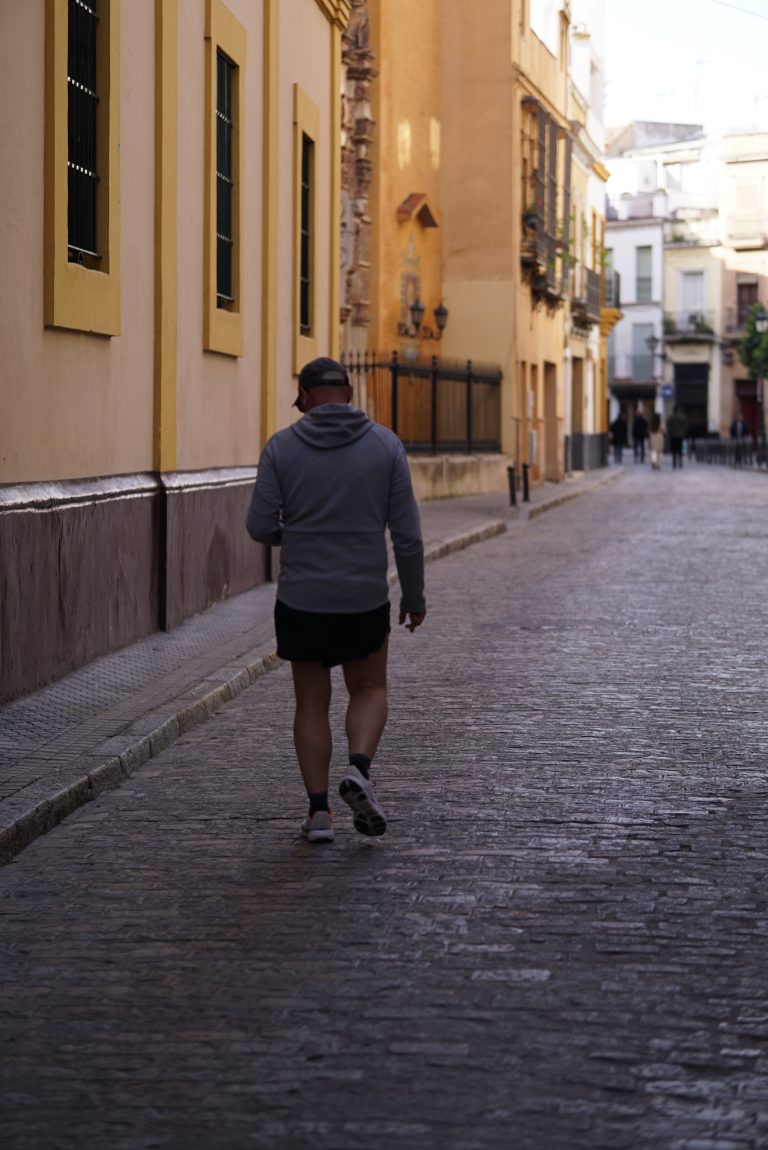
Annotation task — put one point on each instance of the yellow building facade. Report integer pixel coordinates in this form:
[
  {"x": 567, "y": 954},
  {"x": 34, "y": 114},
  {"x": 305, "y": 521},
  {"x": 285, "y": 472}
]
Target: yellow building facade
[
  {"x": 471, "y": 206},
  {"x": 406, "y": 242},
  {"x": 168, "y": 269}
]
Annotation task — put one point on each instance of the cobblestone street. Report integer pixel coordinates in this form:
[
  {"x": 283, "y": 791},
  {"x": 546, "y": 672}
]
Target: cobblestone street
[{"x": 560, "y": 944}]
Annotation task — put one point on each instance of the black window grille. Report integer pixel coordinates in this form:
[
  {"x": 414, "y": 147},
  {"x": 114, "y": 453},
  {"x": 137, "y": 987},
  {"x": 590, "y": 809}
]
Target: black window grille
[
  {"x": 224, "y": 182},
  {"x": 305, "y": 273},
  {"x": 746, "y": 298},
  {"x": 82, "y": 109}
]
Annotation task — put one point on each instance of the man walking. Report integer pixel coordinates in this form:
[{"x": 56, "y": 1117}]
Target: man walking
[
  {"x": 677, "y": 429},
  {"x": 619, "y": 436},
  {"x": 327, "y": 489},
  {"x": 639, "y": 434}
]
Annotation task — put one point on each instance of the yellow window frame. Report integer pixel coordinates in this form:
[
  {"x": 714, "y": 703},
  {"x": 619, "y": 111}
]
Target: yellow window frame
[
  {"x": 223, "y": 327},
  {"x": 306, "y": 122},
  {"x": 76, "y": 296}
]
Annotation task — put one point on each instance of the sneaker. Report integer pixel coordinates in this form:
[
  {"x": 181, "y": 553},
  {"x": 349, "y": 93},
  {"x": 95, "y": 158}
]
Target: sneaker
[
  {"x": 318, "y": 827},
  {"x": 358, "y": 793}
]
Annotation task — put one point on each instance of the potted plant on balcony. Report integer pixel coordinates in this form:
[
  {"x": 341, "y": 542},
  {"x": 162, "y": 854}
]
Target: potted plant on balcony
[{"x": 532, "y": 213}]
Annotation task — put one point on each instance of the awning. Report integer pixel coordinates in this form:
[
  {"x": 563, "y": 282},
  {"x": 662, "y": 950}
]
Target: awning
[{"x": 416, "y": 206}]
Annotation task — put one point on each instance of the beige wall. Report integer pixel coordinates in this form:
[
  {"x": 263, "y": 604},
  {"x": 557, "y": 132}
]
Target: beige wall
[
  {"x": 709, "y": 261},
  {"x": 492, "y": 316},
  {"x": 481, "y": 180},
  {"x": 218, "y": 396},
  {"x": 73, "y": 405},
  {"x": 305, "y": 59},
  {"x": 544, "y": 73},
  {"x": 79, "y": 405},
  {"x": 406, "y": 40}
]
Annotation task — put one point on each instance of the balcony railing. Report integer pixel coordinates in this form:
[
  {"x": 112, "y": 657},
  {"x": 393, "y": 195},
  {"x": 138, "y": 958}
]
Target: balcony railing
[
  {"x": 585, "y": 305},
  {"x": 612, "y": 284},
  {"x": 631, "y": 368},
  {"x": 435, "y": 406},
  {"x": 735, "y": 317},
  {"x": 684, "y": 325}
]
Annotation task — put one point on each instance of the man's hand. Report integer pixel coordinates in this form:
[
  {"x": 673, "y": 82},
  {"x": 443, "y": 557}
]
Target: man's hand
[{"x": 416, "y": 619}]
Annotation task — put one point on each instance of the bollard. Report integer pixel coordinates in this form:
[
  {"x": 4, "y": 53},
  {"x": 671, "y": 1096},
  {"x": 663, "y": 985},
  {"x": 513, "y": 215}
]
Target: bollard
[
  {"x": 512, "y": 491},
  {"x": 526, "y": 492}
]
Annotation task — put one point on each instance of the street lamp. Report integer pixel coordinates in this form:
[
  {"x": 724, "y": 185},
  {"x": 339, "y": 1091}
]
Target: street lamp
[
  {"x": 417, "y": 311},
  {"x": 441, "y": 317},
  {"x": 417, "y": 315},
  {"x": 761, "y": 326},
  {"x": 655, "y": 346}
]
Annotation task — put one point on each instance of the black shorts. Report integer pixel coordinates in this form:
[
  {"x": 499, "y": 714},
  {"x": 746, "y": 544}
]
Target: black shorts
[{"x": 310, "y": 636}]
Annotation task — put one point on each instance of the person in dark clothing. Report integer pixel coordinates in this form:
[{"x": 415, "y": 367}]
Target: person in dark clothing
[
  {"x": 327, "y": 489},
  {"x": 618, "y": 436},
  {"x": 639, "y": 435},
  {"x": 677, "y": 429},
  {"x": 741, "y": 437}
]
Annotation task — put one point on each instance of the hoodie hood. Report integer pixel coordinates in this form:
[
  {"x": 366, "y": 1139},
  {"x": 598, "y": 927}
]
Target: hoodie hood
[{"x": 332, "y": 425}]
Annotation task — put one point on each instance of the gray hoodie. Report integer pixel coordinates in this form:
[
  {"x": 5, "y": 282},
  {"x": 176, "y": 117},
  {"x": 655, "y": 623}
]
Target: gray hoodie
[{"x": 327, "y": 488}]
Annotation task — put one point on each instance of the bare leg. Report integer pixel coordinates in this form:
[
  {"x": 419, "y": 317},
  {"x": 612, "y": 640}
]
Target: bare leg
[
  {"x": 366, "y": 681},
  {"x": 311, "y": 727}
]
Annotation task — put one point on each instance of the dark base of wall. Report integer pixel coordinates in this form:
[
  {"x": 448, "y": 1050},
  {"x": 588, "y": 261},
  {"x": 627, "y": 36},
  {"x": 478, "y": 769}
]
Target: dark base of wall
[
  {"x": 90, "y": 566},
  {"x": 587, "y": 452}
]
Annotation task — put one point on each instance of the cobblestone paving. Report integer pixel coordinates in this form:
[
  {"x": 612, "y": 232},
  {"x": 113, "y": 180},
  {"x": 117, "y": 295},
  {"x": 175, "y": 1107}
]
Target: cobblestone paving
[{"x": 559, "y": 945}]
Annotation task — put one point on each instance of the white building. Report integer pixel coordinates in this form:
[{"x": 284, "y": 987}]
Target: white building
[{"x": 662, "y": 237}]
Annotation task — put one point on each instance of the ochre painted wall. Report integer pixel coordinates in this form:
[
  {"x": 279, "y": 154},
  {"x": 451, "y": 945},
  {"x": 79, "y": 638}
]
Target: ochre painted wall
[
  {"x": 406, "y": 256},
  {"x": 218, "y": 396},
  {"x": 73, "y": 405}
]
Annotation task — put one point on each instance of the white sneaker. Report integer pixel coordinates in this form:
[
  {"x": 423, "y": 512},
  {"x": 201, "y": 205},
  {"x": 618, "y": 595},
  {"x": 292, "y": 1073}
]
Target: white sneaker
[
  {"x": 318, "y": 827},
  {"x": 358, "y": 793}
]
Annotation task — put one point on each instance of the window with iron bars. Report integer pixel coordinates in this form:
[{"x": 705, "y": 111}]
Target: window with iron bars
[
  {"x": 82, "y": 110},
  {"x": 224, "y": 180},
  {"x": 307, "y": 195}
]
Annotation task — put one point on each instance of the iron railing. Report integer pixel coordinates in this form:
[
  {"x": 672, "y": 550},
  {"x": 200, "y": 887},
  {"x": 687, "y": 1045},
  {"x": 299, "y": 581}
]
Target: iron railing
[
  {"x": 585, "y": 305},
  {"x": 224, "y": 179},
  {"x": 734, "y": 452},
  {"x": 82, "y": 109},
  {"x": 612, "y": 289},
  {"x": 689, "y": 323},
  {"x": 439, "y": 405},
  {"x": 634, "y": 368}
]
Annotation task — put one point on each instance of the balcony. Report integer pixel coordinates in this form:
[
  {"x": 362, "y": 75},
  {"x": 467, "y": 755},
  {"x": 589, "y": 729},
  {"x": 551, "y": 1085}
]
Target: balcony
[
  {"x": 585, "y": 305},
  {"x": 533, "y": 253},
  {"x": 735, "y": 318},
  {"x": 539, "y": 258},
  {"x": 612, "y": 286},
  {"x": 689, "y": 327},
  {"x": 624, "y": 368}
]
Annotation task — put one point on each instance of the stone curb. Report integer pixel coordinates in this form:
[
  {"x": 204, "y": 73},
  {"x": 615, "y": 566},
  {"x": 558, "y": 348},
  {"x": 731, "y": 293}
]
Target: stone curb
[
  {"x": 558, "y": 500},
  {"x": 218, "y": 688},
  {"x": 45, "y": 815}
]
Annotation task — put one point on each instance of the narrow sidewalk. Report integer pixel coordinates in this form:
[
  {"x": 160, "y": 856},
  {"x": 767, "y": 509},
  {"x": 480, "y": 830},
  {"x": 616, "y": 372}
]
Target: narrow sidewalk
[{"x": 63, "y": 745}]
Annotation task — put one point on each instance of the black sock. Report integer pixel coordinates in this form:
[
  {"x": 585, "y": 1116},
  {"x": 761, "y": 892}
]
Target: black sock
[
  {"x": 318, "y": 802},
  {"x": 363, "y": 764}
]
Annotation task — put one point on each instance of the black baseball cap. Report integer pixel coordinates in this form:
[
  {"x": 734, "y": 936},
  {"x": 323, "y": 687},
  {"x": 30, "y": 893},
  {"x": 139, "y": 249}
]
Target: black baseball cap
[{"x": 322, "y": 372}]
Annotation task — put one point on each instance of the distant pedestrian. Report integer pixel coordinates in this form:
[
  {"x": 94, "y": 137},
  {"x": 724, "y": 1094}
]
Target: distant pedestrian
[
  {"x": 656, "y": 441},
  {"x": 619, "y": 436},
  {"x": 327, "y": 488},
  {"x": 639, "y": 434},
  {"x": 741, "y": 438},
  {"x": 677, "y": 429}
]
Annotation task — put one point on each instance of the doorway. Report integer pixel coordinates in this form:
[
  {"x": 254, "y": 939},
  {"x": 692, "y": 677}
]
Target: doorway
[{"x": 551, "y": 435}]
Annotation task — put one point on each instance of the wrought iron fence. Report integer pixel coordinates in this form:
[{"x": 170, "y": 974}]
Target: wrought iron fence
[
  {"x": 734, "y": 452},
  {"x": 439, "y": 405},
  {"x": 612, "y": 283},
  {"x": 684, "y": 323},
  {"x": 637, "y": 368}
]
